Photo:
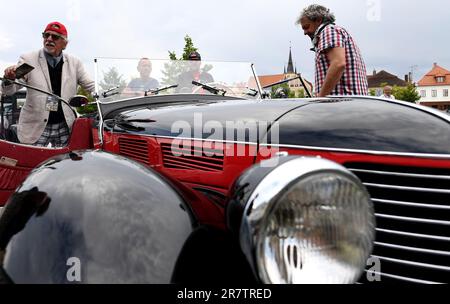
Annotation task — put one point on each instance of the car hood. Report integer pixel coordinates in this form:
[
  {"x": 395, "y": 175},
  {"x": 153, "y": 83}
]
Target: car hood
[
  {"x": 353, "y": 123},
  {"x": 367, "y": 124},
  {"x": 216, "y": 120}
]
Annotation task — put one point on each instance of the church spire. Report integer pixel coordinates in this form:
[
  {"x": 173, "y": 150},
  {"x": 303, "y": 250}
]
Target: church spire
[{"x": 290, "y": 67}]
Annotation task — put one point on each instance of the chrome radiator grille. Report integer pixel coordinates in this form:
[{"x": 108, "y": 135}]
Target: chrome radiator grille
[{"x": 412, "y": 207}]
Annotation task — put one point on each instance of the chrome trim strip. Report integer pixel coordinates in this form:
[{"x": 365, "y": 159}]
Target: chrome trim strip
[
  {"x": 402, "y": 174},
  {"x": 445, "y": 191},
  {"x": 205, "y": 140},
  {"x": 415, "y": 249},
  {"x": 422, "y": 236},
  {"x": 408, "y": 204},
  {"x": 1, "y": 211},
  {"x": 379, "y": 153},
  {"x": 412, "y": 219},
  {"x": 411, "y": 263},
  {"x": 400, "y": 277},
  {"x": 101, "y": 124}
]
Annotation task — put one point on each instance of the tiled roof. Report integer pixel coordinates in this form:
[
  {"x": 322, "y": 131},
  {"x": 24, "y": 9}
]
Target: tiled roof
[
  {"x": 266, "y": 80},
  {"x": 430, "y": 78},
  {"x": 375, "y": 81},
  {"x": 270, "y": 79}
]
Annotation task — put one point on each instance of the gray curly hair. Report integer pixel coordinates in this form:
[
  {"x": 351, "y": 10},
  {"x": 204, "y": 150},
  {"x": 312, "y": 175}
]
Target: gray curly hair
[{"x": 314, "y": 12}]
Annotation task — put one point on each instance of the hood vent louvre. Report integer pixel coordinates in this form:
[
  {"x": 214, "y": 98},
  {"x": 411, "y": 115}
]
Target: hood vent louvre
[
  {"x": 136, "y": 149},
  {"x": 192, "y": 158}
]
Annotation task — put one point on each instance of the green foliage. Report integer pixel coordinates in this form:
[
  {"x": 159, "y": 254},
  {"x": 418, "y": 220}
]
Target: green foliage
[
  {"x": 172, "y": 56},
  {"x": 372, "y": 92},
  {"x": 285, "y": 87},
  {"x": 289, "y": 93},
  {"x": 173, "y": 69},
  {"x": 188, "y": 49},
  {"x": 408, "y": 93},
  {"x": 301, "y": 94},
  {"x": 171, "y": 72},
  {"x": 83, "y": 92},
  {"x": 112, "y": 79},
  {"x": 91, "y": 108}
]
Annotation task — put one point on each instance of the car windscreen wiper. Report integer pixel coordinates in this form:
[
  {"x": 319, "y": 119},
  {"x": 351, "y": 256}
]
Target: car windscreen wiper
[
  {"x": 108, "y": 93},
  {"x": 119, "y": 119},
  {"x": 157, "y": 91},
  {"x": 210, "y": 89}
]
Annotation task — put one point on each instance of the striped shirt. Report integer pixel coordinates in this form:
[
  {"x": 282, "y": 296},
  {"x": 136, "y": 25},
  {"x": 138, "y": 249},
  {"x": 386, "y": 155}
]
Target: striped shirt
[{"x": 354, "y": 78}]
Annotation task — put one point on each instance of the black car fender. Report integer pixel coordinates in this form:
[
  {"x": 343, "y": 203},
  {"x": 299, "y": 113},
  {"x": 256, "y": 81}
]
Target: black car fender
[
  {"x": 93, "y": 217},
  {"x": 96, "y": 217}
]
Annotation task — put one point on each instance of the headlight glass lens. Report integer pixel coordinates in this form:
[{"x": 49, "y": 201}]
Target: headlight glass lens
[{"x": 320, "y": 231}]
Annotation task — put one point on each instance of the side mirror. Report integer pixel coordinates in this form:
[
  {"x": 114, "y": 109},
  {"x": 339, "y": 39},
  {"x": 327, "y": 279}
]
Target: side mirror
[{"x": 78, "y": 101}]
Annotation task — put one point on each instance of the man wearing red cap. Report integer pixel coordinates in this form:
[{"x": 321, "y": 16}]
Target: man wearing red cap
[{"x": 44, "y": 122}]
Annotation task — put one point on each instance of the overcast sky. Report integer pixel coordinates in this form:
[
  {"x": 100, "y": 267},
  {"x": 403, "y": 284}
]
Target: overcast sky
[{"x": 392, "y": 35}]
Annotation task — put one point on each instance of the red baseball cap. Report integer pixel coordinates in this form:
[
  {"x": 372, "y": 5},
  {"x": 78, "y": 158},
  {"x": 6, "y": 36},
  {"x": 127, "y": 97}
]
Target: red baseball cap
[{"x": 56, "y": 27}]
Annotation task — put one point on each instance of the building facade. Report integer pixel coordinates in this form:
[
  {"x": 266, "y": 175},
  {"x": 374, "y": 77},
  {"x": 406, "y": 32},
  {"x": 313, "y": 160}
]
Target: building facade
[
  {"x": 434, "y": 88},
  {"x": 378, "y": 80}
]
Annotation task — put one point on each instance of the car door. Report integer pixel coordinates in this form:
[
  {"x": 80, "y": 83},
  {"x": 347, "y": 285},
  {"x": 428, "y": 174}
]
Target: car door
[{"x": 18, "y": 160}]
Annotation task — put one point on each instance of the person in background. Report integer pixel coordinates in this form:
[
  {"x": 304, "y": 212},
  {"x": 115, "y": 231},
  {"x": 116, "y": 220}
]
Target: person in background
[
  {"x": 193, "y": 74},
  {"x": 139, "y": 86},
  {"x": 387, "y": 93}
]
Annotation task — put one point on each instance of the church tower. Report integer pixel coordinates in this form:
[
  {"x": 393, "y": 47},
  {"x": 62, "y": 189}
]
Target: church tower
[{"x": 290, "y": 67}]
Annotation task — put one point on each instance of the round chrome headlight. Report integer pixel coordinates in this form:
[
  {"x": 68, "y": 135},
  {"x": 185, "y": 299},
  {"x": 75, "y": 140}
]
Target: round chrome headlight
[{"x": 308, "y": 221}]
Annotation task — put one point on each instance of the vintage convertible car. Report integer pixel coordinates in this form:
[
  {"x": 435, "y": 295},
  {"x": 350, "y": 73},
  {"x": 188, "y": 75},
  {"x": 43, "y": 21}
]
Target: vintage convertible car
[{"x": 208, "y": 182}]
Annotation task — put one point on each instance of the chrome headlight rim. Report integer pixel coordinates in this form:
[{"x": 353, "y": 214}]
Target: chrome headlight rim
[{"x": 262, "y": 202}]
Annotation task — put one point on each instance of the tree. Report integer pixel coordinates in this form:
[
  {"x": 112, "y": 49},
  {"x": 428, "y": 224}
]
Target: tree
[
  {"x": 112, "y": 79},
  {"x": 89, "y": 108},
  {"x": 408, "y": 93},
  {"x": 83, "y": 92},
  {"x": 173, "y": 69},
  {"x": 301, "y": 93},
  {"x": 188, "y": 49},
  {"x": 287, "y": 91}
]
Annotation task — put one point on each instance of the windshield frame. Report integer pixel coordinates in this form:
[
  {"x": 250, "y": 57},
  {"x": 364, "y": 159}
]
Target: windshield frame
[{"x": 235, "y": 79}]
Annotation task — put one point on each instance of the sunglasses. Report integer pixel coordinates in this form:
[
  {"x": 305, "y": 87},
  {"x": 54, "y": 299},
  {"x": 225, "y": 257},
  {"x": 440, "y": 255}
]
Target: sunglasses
[{"x": 54, "y": 36}]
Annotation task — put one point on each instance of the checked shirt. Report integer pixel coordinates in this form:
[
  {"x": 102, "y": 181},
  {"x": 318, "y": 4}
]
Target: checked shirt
[{"x": 354, "y": 78}]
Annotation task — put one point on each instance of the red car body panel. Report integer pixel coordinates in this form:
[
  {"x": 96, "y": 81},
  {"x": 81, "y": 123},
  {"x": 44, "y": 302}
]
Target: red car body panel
[{"x": 23, "y": 159}]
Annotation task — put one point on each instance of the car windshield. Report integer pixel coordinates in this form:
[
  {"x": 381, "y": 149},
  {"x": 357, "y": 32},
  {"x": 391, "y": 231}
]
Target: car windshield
[{"x": 127, "y": 78}]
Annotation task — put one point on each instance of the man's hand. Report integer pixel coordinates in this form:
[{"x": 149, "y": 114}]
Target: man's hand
[{"x": 10, "y": 72}]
